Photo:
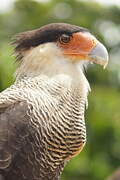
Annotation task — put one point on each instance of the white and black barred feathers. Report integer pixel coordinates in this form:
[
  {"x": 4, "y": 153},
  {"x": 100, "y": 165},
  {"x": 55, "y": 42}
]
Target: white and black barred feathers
[{"x": 41, "y": 127}]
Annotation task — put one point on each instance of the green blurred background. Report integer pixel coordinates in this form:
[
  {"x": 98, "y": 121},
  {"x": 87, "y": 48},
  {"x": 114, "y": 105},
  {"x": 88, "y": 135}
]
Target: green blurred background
[{"x": 101, "y": 155}]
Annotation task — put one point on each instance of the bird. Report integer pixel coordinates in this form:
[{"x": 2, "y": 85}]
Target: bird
[{"x": 42, "y": 124}]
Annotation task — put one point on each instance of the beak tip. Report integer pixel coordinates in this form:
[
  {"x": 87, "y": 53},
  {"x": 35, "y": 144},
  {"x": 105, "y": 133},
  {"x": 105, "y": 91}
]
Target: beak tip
[{"x": 99, "y": 55}]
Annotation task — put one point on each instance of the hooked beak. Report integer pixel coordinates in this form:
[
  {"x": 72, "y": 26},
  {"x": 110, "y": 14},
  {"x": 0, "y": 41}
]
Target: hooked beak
[
  {"x": 99, "y": 55},
  {"x": 84, "y": 46}
]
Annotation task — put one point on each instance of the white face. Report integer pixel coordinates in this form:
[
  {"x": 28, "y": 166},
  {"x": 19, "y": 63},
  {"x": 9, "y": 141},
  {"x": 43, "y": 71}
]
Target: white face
[{"x": 46, "y": 58}]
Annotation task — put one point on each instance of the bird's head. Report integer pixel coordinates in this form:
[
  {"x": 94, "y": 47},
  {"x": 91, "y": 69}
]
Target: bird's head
[{"x": 65, "y": 42}]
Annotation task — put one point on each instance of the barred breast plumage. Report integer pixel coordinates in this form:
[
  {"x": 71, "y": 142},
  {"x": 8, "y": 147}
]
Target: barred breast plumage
[{"x": 53, "y": 129}]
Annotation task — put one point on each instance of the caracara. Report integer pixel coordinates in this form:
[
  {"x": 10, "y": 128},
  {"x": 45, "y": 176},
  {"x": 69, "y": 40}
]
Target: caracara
[{"x": 42, "y": 114}]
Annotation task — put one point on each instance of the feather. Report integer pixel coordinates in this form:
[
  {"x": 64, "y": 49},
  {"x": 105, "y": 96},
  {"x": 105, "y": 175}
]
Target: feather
[{"x": 41, "y": 127}]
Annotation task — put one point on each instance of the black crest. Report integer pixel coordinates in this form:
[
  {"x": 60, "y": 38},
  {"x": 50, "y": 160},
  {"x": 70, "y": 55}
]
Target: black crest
[{"x": 47, "y": 33}]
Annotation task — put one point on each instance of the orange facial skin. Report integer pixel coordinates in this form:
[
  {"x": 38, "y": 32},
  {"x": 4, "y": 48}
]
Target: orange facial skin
[{"x": 79, "y": 46}]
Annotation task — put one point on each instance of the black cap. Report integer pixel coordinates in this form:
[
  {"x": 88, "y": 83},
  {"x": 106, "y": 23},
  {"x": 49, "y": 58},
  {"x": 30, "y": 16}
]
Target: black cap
[{"x": 47, "y": 33}]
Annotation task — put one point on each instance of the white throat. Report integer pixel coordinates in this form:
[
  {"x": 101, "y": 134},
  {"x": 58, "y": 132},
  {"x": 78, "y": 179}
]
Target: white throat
[{"x": 47, "y": 59}]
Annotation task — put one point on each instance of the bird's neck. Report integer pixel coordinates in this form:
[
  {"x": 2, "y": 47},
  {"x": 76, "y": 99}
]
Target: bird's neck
[{"x": 47, "y": 60}]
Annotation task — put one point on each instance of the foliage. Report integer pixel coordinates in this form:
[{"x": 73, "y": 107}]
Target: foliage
[{"x": 102, "y": 152}]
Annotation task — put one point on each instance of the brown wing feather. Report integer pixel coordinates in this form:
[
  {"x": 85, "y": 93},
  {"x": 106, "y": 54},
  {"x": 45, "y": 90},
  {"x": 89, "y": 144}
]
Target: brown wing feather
[
  {"x": 1, "y": 178},
  {"x": 13, "y": 130}
]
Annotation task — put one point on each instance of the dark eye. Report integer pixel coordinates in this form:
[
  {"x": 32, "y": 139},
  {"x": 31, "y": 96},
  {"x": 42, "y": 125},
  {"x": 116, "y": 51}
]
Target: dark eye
[{"x": 64, "y": 38}]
